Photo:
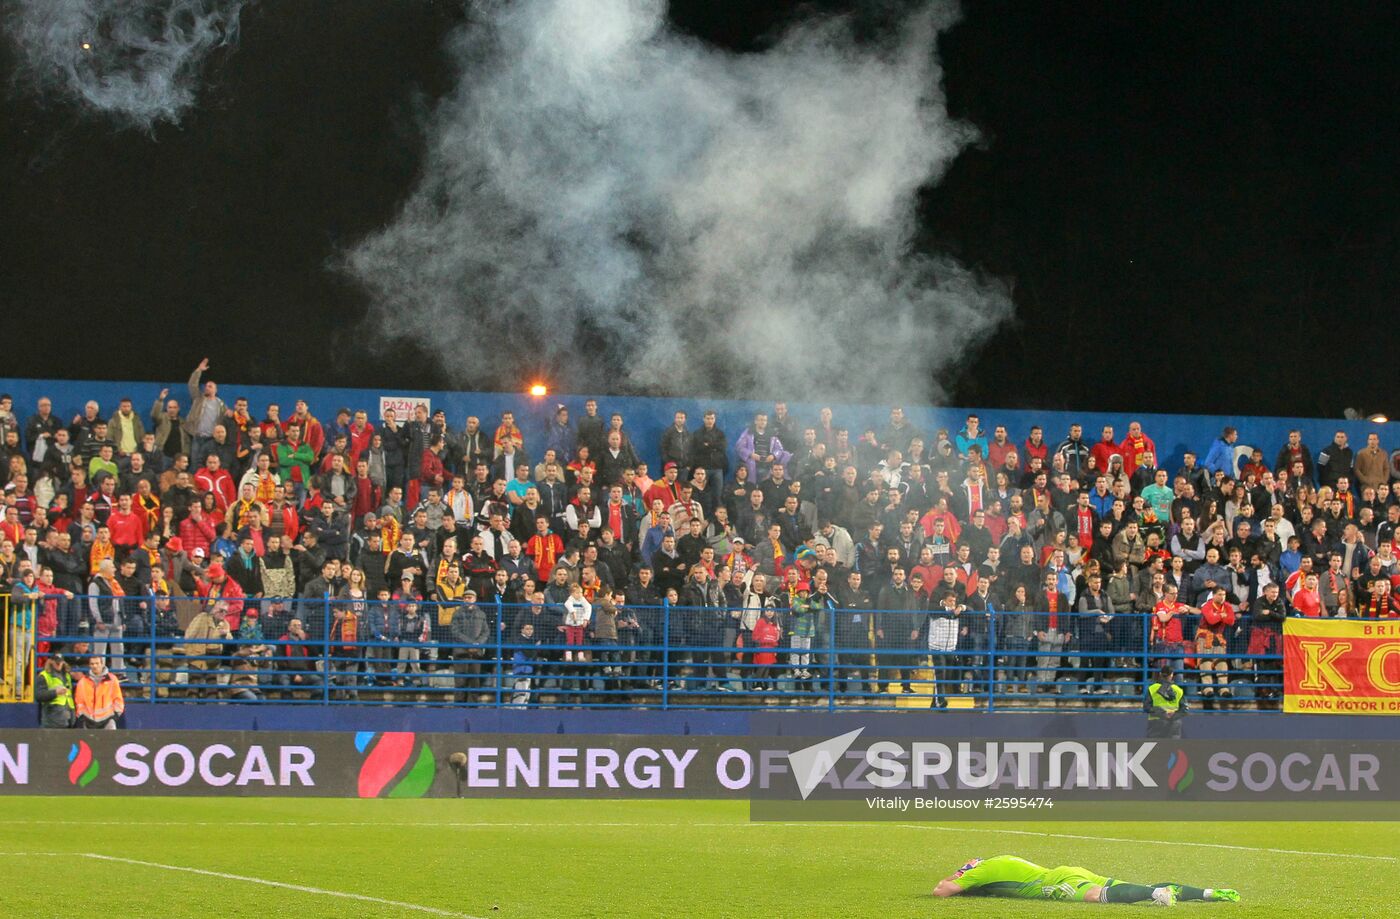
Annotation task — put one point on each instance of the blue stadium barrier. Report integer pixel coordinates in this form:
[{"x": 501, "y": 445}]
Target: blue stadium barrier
[{"x": 681, "y": 658}]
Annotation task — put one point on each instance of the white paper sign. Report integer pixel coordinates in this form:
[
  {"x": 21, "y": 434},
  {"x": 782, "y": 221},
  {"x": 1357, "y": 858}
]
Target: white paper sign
[{"x": 403, "y": 406}]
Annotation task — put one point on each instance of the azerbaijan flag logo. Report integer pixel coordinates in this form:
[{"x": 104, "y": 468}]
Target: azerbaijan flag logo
[
  {"x": 1180, "y": 775},
  {"x": 386, "y": 771},
  {"x": 82, "y": 765}
]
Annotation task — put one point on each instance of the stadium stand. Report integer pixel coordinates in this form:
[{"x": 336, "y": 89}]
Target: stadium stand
[{"x": 211, "y": 551}]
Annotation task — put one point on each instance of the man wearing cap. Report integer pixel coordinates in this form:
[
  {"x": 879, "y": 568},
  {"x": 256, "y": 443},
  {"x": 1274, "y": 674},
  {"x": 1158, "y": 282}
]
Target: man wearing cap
[
  {"x": 53, "y": 690},
  {"x": 1165, "y": 704},
  {"x": 665, "y": 489},
  {"x": 368, "y": 526},
  {"x": 469, "y": 632},
  {"x": 204, "y": 637},
  {"x": 802, "y": 625},
  {"x": 739, "y": 560},
  {"x": 217, "y": 586}
]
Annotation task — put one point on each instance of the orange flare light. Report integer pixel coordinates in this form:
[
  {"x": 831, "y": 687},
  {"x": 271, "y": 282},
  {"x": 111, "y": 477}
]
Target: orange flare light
[{"x": 539, "y": 389}]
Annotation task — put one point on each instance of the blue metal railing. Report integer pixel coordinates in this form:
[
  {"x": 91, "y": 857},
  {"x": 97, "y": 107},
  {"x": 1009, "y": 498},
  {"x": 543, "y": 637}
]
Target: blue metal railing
[{"x": 676, "y": 657}]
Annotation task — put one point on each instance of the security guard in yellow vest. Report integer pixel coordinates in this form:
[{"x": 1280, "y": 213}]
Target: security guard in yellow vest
[
  {"x": 53, "y": 690},
  {"x": 1165, "y": 705}
]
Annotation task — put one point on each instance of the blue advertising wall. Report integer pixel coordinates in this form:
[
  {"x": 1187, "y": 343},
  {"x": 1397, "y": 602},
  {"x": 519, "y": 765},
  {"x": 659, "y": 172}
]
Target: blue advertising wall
[{"x": 647, "y": 417}]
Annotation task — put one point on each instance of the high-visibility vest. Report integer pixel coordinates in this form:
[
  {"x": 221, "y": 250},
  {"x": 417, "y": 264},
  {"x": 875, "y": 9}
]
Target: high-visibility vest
[
  {"x": 53, "y": 682},
  {"x": 99, "y": 701},
  {"x": 1160, "y": 701}
]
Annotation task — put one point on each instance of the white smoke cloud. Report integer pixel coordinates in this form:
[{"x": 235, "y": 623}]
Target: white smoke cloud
[
  {"x": 138, "y": 61},
  {"x": 726, "y": 223}
]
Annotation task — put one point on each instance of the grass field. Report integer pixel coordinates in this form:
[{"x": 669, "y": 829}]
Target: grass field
[{"x": 311, "y": 859}]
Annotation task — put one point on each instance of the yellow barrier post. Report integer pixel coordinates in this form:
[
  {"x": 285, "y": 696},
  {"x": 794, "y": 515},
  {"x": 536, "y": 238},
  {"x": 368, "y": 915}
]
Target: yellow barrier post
[
  {"x": 8, "y": 664},
  {"x": 17, "y": 643}
]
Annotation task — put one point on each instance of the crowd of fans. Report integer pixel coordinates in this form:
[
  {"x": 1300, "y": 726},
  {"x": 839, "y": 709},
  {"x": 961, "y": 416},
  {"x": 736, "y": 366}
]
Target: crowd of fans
[{"x": 395, "y": 543}]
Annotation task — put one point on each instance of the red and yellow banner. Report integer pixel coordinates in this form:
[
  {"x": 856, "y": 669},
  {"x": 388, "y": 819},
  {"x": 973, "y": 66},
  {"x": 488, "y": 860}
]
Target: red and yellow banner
[{"x": 1341, "y": 666}]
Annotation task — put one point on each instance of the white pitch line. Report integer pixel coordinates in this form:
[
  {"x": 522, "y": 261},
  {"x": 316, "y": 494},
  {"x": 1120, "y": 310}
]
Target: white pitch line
[
  {"x": 1175, "y": 842},
  {"x": 489, "y": 824},
  {"x": 320, "y": 891}
]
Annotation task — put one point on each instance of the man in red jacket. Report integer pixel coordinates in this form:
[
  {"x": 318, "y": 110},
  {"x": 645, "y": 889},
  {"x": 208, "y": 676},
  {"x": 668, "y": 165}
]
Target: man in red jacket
[
  {"x": 218, "y": 586},
  {"x": 1035, "y": 445},
  {"x": 665, "y": 488},
  {"x": 312, "y": 434},
  {"x": 361, "y": 433},
  {"x": 1134, "y": 447},
  {"x": 1105, "y": 448},
  {"x": 367, "y": 494},
  {"x": 432, "y": 472},
  {"x": 214, "y": 478},
  {"x": 197, "y": 531},
  {"x": 1212, "y": 639},
  {"x": 12, "y": 528},
  {"x": 998, "y": 447},
  {"x": 128, "y": 527}
]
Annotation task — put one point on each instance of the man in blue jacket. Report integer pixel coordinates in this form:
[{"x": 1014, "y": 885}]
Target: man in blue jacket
[{"x": 1221, "y": 457}]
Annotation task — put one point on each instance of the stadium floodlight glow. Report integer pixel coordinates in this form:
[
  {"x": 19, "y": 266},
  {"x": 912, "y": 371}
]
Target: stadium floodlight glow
[{"x": 539, "y": 389}]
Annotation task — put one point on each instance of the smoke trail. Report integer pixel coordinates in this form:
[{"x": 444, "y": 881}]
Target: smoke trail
[
  {"x": 720, "y": 223},
  {"x": 138, "y": 61}
]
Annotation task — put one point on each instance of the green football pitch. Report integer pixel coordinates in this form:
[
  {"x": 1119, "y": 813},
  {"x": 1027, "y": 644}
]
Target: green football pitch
[{"x": 310, "y": 859}]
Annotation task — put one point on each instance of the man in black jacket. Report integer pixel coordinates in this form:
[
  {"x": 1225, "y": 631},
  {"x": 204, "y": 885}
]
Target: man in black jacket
[
  {"x": 315, "y": 612},
  {"x": 709, "y": 450},
  {"x": 591, "y": 429},
  {"x": 698, "y": 622},
  {"x": 675, "y": 446},
  {"x": 645, "y": 602},
  {"x": 469, "y": 631},
  {"x": 614, "y": 459},
  {"x": 1335, "y": 460},
  {"x": 613, "y": 556},
  {"x": 69, "y": 569},
  {"x": 1052, "y": 631},
  {"x": 41, "y": 425},
  {"x": 243, "y": 566},
  {"x": 1266, "y": 640},
  {"x": 853, "y": 632},
  {"x": 332, "y": 529},
  {"x": 895, "y": 622},
  {"x": 474, "y": 446}
]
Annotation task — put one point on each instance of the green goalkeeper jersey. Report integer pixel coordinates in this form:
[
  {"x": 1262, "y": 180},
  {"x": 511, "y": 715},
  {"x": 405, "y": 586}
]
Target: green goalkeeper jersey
[{"x": 1009, "y": 876}]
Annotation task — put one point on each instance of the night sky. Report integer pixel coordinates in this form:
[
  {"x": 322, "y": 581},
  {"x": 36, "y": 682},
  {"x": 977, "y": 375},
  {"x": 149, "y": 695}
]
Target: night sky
[{"x": 1196, "y": 204}]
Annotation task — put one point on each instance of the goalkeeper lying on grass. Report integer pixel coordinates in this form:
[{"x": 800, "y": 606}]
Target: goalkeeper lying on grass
[{"x": 1009, "y": 876}]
